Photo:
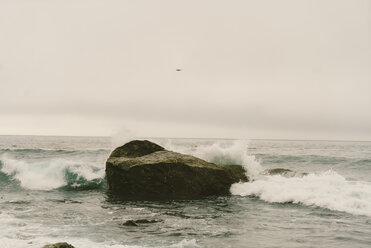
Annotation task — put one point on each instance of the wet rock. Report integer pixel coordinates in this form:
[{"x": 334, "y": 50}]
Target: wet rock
[
  {"x": 140, "y": 221},
  {"x": 145, "y": 221},
  {"x": 136, "y": 148},
  {"x": 145, "y": 170},
  {"x": 279, "y": 171},
  {"x": 130, "y": 223},
  {"x": 285, "y": 172},
  {"x": 59, "y": 245}
]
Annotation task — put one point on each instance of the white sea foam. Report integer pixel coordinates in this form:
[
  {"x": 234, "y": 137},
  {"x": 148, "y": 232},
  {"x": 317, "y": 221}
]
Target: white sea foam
[
  {"x": 327, "y": 189},
  {"x": 185, "y": 243},
  {"x": 47, "y": 174},
  {"x": 19, "y": 234},
  {"x": 227, "y": 152},
  {"x": 84, "y": 243}
]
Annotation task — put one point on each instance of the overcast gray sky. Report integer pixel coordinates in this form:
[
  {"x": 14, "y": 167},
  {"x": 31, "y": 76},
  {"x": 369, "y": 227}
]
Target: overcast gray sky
[{"x": 290, "y": 69}]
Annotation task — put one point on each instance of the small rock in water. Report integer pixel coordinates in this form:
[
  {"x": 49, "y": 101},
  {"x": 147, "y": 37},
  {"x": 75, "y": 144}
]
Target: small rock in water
[
  {"x": 279, "y": 171},
  {"x": 145, "y": 221},
  {"x": 140, "y": 221},
  {"x": 130, "y": 223},
  {"x": 285, "y": 172},
  {"x": 59, "y": 245}
]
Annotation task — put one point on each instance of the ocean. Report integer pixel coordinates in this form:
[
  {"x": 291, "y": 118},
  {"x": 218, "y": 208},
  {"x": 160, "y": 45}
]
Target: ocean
[{"x": 53, "y": 189}]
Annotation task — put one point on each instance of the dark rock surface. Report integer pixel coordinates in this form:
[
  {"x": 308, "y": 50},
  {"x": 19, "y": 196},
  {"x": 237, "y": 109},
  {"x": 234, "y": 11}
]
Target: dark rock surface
[
  {"x": 59, "y": 245},
  {"x": 279, "y": 171},
  {"x": 130, "y": 223},
  {"x": 145, "y": 170},
  {"x": 285, "y": 172},
  {"x": 136, "y": 148},
  {"x": 140, "y": 221},
  {"x": 146, "y": 221}
]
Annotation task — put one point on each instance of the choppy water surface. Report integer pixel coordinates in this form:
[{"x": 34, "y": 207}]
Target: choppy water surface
[{"x": 53, "y": 189}]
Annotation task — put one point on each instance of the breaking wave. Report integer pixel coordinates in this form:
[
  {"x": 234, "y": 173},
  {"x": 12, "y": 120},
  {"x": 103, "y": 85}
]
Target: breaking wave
[
  {"x": 51, "y": 174},
  {"x": 327, "y": 189},
  {"x": 228, "y": 152}
]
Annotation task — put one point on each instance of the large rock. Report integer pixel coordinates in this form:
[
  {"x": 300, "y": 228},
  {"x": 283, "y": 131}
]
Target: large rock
[{"x": 144, "y": 170}]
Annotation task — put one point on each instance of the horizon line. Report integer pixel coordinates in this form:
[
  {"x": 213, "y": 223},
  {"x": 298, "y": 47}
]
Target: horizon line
[{"x": 214, "y": 138}]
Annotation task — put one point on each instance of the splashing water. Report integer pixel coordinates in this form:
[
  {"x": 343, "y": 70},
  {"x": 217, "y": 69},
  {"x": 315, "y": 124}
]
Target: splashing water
[
  {"x": 231, "y": 152},
  {"x": 51, "y": 174},
  {"x": 327, "y": 189}
]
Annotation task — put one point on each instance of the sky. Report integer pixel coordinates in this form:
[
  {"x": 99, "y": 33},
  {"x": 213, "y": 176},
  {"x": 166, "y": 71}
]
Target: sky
[{"x": 268, "y": 69}]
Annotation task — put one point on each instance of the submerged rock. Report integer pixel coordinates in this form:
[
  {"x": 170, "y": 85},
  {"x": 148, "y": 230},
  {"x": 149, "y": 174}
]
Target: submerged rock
[
  {"x": 59, "y": 245},
  {"x": 130, "y": 223},
  {"x": 285, "y": 172},
  {"x": 140, "y": 221},
  {"x": 279, "y": 171},
  {"x": 145, "y": 170},
  {"x": 146, "y": 221}
]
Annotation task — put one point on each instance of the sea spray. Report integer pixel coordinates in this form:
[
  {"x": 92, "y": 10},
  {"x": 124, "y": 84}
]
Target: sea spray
[
  {"x": 52, "y": 173},
  {"x": 221, "y": 152},
  {"x": 327, "y": 189}
]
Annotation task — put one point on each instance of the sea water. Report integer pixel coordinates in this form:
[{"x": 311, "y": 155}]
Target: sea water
[{"x": 53, "y": 189}]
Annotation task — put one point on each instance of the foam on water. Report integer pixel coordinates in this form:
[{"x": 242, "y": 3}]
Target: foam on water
[
  {"x": 51, "y": 174},
  {"x": 20, "y": 233},
  {"x": 84, "y": 243},
  {"x": 327, "y": 189}
]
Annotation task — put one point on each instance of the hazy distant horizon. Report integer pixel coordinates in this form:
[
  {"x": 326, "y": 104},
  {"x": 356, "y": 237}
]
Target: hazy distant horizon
[{"x": 184, "y": 138}]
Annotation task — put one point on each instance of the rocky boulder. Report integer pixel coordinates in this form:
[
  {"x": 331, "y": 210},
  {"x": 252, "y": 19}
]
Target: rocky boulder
[{"x": 145, "y": 170}]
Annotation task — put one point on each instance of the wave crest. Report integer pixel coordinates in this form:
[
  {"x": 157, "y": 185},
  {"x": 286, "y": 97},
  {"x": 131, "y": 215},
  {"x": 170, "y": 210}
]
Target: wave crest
[
  {"x": 219, "y": 152},
  {"x": 52, "y": 174},
  {"x": 327, "y": 189}
]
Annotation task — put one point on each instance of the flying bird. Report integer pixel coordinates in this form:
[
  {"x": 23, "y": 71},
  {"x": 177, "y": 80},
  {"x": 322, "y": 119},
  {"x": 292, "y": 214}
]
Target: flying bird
[{"x": 178, "y": 69}]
